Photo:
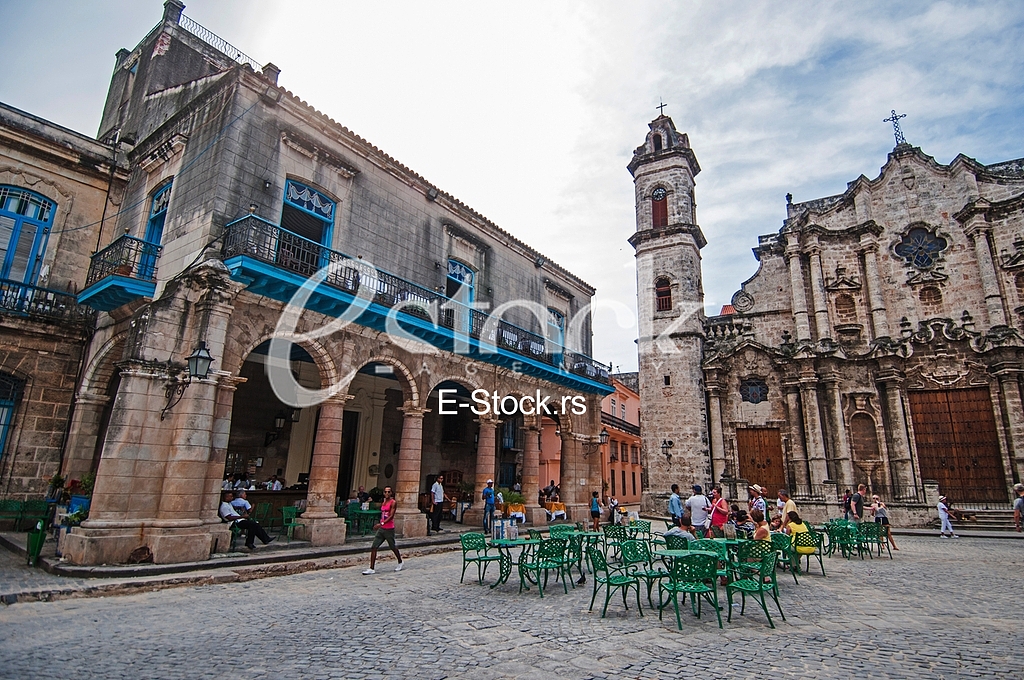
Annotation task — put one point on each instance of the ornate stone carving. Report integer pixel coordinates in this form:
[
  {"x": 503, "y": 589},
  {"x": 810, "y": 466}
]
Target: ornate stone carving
[{"x": 742, "y": 301}]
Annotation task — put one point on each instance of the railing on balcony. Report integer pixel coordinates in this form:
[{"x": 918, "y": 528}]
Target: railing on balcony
[
  {"x": 620, "y": 424},
  {"x": 254, "y": 237},
  {"x": 21, "y": 299},
  {"x": 127, "y": 256}
]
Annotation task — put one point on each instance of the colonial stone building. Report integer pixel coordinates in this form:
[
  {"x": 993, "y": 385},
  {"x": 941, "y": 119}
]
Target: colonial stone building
[
  {"x": 879, "y": 341},
  {"x": 55, "y": 188},
  {"x": 356, "y": 315}
]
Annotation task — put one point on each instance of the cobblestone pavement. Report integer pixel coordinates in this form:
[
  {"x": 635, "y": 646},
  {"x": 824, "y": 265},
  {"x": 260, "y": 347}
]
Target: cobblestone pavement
[{"x": 941, "y": 609}]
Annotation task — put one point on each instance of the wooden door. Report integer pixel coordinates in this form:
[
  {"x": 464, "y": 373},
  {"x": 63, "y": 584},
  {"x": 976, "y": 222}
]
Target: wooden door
[
  {"x": 760, "y": 454},
  {"x": 957, "y": 444}
]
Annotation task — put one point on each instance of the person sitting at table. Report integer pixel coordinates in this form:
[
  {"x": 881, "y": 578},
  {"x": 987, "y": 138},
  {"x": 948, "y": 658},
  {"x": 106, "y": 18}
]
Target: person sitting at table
[
  {"x": 362, "y": 496},
  {"x": 549, "y": 489},
  {"x": 795, "y": 526},
  {"x": 761, "y": 533},
  {"x": 684, "y": 529},
  {"x": 274, "y": 484},
  {"x": 252, "y": 528},
  {"x": 242, "y": 506},
  {"x": 743, "y": 524}
]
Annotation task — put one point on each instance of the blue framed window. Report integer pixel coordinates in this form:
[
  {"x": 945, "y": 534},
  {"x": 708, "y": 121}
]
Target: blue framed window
[
  {"x": 920, "y": 247},
  {"x": 26, "y": 219},
  {"x": 461, "y": 281},
  {"x": 10, "y": 394},
  {"x": 154, "y": 230},
  {"x": 556, "y": 327},
  {"x": 308, "y": 213}
]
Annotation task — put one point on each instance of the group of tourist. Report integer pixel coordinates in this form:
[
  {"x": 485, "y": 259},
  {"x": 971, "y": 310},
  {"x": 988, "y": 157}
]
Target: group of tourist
[{"x": 241, "y": 481}]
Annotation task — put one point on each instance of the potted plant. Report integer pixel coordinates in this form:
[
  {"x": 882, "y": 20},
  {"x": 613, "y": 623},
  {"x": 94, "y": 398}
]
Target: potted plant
[
  {"x": 376, "y": 497},
  {"x": 55, "y": 490},
  {"x": 467, "y": 489}
]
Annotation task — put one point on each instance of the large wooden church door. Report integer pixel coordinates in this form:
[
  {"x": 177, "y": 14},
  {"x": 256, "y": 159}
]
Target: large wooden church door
[
  {"x": 957, "y": 444},
  {"x": 760, "y": 454}
]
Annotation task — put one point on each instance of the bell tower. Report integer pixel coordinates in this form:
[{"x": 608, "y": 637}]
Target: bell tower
[{"x": 670, "y": 304}]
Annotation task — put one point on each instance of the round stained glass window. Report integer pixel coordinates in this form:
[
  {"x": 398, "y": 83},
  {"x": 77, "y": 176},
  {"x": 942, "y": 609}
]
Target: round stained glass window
[{"x": 920, "y": 248}]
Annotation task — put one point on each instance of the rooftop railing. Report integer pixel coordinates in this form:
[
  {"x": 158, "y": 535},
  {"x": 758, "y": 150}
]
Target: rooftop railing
[
  {"x": 267, "y": 242},
  {"x": 217, "y": 42}
]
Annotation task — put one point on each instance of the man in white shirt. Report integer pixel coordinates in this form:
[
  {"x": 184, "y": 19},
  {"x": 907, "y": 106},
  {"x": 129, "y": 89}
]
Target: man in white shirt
[
  {"x": 252, "y": 528},
  {"x": 437, "y": 501},
  {"x": 240, "y": 504},
  {"x": 698, "y": 505}
]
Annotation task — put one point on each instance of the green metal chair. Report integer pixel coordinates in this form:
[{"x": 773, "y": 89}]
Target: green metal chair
[
  {"x": 748, "y": 558},
  {"x": 535, "y": 534},
  {"x": 33, "y": 511},
  {"x": 783, "y": 545},
  {"x": 614, "y": 535},
  {"x": 289, "y": 520},
  {"x": 638, "y": 562},
  {"x": 846, "y": 538},
  {"x": 694, "y": 575},
  {"x": 474, "y": 549},
  {"x": 611, "y": 580},
  {"x": 763, "y": 582},
  {"x": 676, "y": 542},
  {"x": 807, "y": 544},
  {"x": 872, "y": 537},
  {"x": 550, "y": 555},
  {"x": 724, "y": 568},
  {"x": 261, "y": 513},
  {"x": 561, "y": 530}
]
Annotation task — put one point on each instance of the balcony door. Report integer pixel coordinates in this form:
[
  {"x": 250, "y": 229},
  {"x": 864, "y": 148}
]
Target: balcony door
[
  {"x": 25, "y": 222},
  {"x": 308, "y": 220},
  {"x": 154, "y": 232}
]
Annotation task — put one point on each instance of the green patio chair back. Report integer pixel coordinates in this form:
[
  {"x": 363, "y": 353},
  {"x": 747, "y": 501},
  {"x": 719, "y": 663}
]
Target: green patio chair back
[
  {"x": 611, "y": 580},
  {"x": 693, "y": 575},
  {"x": 807, "y": 544},
  {"x": 759, "y": 582},
  {"x": 783, "y": 545},
  {"x": 638, "y": 562},
  {"x": 290, "y": 520},
  {"x": 474, "y": 549},
  {"x": 550, "y": 555},
  {"x": 561, "y": 530},
  {"x": 676, "y": 542},
  {"x": 534, "y": 534}
]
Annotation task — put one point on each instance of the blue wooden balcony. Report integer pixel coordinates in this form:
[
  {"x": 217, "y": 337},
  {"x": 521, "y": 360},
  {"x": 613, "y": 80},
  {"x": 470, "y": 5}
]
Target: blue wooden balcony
[
  {"x": 122, "y": 272},
  {"x": 276, "y": 263}
]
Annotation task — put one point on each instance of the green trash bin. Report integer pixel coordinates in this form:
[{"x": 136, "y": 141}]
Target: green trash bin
[{"x": 35, "y": 543}]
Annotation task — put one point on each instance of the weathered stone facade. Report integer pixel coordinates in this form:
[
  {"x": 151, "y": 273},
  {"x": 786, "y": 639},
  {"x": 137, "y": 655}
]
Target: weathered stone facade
[
  {"x": 240, "y": 193},
  {"x": 62, "y": 183},
  {"x": 879, "y": 343}
]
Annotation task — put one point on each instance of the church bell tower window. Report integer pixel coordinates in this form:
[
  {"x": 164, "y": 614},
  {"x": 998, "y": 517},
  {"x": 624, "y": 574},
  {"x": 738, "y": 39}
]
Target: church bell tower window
[
  {"x": 659, "y": 208},
  {"x": 663, "y": 295}
]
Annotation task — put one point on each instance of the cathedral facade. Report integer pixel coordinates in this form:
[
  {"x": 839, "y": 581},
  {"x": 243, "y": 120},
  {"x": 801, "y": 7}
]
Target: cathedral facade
[{"x": 879, "y": 342}]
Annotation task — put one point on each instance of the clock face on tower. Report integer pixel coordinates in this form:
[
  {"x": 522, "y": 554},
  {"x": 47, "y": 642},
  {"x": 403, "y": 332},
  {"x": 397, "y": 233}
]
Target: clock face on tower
[{"x": 659, "y": 194}]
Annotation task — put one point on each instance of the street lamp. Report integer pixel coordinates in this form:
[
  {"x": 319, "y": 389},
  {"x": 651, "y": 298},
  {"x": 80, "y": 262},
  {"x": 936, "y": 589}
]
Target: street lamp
[
  {"x": 198, "y": 367},
  {"x": 279, "y": 421},
  {"x": 592, "y": 446},
  {"x": 666, "y": 448}
]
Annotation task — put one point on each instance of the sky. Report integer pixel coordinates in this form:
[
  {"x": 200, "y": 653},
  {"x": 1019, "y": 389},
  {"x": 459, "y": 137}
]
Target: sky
[{"x": 529, "y": 111}]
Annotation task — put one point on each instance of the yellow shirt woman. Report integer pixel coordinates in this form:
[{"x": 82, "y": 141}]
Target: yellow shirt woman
[{"x": 800, "y": 528}]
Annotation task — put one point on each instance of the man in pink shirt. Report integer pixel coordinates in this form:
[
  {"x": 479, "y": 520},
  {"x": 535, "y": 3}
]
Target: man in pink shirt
[{"x": 385, "y": 532}]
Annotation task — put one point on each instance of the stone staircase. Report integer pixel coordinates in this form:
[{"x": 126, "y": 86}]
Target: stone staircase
[{"x": 982, "y": 520}]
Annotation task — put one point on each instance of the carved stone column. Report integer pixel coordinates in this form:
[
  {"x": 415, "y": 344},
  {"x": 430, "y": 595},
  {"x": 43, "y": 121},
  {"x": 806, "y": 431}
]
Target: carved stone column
[
  {"x": 85, "y": 430},
  {"x": 486, "y": 466},
  {"x": 989, "y": 278},
  {"x": 816, "y": 462},
  {"x": 818, "y": 299},
  {"x": 897, "y": 437},
  {"x": 879, "y": 320},
  {"x": 1010, "y": 391},
  {"x": 531, "y": 475},
  {"x": 842, "y": 460},
  {"x": 323, "y": 526},
  {"x": 798, "y": 458},
  {"x": 719, "y": 462},
  {"x": 799, "y": 296},
  {"x": 222, "y": 409},
  {"x": 409, "y": 521}
]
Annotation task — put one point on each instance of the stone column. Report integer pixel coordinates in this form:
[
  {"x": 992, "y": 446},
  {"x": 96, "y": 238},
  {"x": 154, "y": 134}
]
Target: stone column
[
  {"x": 85, "y": 430},
  {"x": 818, "y": 300},
  {"x": 574, "y": 467},
  {"x": 486, "y": 465},
  {"x": 989, "y": 277},
  {"x": 1009, "y": 389},
  {"x": 879, "y": 320},
  {"x": 322, "y": 524},
  {"x": 531, "y": 475},
  {"x": 796, "y": 285},
  {"x": 798, "y": 461},
  {"x": 817, "y": 465},
  {"x": 409, "y": 521},
  {"x": 226, "y": 386},
  {"x": 843, "y": 461},
  {"x": 900, "y": 463},
  {"x": 719, "y": 462}
]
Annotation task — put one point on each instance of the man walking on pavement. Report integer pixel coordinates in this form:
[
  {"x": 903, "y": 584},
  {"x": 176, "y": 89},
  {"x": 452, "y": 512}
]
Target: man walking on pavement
[
  {"x": 437, "y": 498},
  {"x": 675, "y": 505}
]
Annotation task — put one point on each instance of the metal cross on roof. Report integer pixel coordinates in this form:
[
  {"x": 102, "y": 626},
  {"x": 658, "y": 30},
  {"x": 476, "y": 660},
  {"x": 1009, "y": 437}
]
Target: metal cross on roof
[
  {"x": 661, "y": 107},
  {"x": 895, "y": 120}
]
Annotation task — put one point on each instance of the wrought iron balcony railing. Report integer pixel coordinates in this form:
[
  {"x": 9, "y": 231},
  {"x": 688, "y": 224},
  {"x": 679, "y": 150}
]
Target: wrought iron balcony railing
[
  {"x": 127, "y": 256},
  {"x": 266, "y": 242},
  {"x": 620, "y": 424},
  {"x": 21, "y": 299}
]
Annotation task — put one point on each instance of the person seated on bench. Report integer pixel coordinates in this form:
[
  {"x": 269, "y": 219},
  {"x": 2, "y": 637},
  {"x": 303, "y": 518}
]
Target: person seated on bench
[{"x": 252, "y": 528}]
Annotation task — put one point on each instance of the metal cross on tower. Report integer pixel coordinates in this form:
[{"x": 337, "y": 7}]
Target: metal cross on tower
[
  {"x": 661, "y": 107},
  {"x": 895, "y": 120}
]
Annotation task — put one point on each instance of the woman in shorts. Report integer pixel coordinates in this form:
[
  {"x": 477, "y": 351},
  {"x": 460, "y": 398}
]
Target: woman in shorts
[
  {"x": 882, "y": 517},
  {"x": 595, "y": 512}
]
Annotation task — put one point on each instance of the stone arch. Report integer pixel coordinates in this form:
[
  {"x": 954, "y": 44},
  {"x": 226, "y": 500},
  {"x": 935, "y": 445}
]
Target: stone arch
[
  {"x": 846, "y": 308},
  {"x": 325, "y": 363},
  {"x": 404, "y": 375},
  {"x": 104, "y": 363},
  {"x": 867, "y": 457}
]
